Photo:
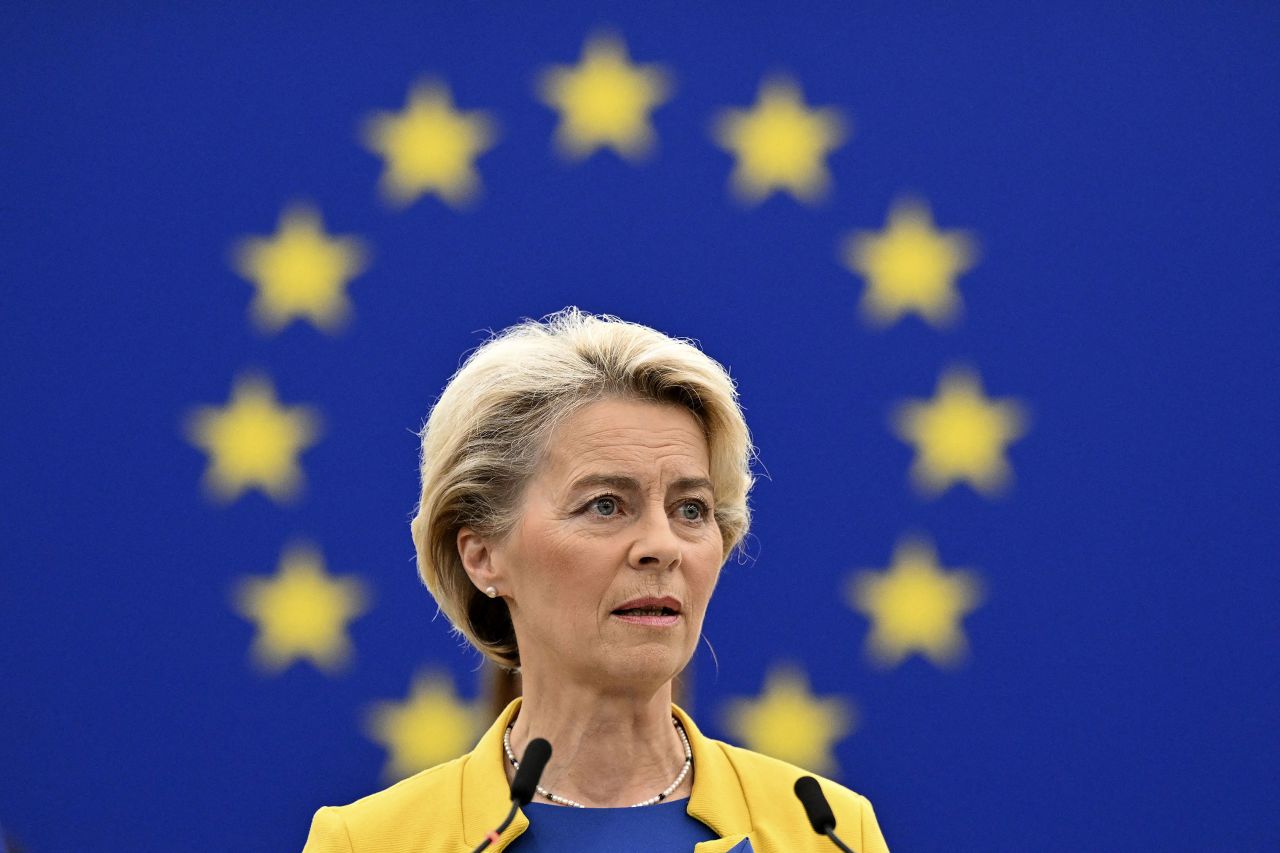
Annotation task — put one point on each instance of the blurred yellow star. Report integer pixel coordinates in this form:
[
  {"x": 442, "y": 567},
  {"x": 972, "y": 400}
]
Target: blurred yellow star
[
  {"x": 960, "y": 435},
  {"x": 789, "y": 723},
  {"x": 252, "y": 442},
  {"x": 604, "y": 100},
  {"x": 301, "y": 613},
  {"x": 915, "y": 606},
  {"x": 780, "y": 144},
  {"x": 300, "y": 273},
  {"x": 430, "y": 147},
  {"x": 909, "y": 266},
  {"x": 431, "y": 726}
]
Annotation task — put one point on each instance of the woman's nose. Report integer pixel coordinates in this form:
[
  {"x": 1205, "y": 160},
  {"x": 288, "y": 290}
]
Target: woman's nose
[{"x": 656, "y": 546}]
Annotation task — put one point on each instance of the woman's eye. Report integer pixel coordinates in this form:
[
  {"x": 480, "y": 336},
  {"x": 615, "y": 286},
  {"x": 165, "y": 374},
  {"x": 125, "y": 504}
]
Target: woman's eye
[
  {"x": 605, "y": 506},
  {"x": 698, "y": 507}
]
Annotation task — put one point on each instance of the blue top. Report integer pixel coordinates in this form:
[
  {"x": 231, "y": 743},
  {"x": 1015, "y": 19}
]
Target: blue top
[{"x": 663, "y": 826}]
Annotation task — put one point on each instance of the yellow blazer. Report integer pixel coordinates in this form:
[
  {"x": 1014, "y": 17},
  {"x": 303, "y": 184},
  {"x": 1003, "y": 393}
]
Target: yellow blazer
[{"x": 741, "y": 795}]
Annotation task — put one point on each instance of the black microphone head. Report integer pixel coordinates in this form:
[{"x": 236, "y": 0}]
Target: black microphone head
[
  {"x": 815, "y": 805},
  {"x": 536, "y": 756}
]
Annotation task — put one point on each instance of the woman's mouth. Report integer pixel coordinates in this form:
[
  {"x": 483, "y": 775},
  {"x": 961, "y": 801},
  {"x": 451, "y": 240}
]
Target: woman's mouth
[{"x": 654, "y": 616}]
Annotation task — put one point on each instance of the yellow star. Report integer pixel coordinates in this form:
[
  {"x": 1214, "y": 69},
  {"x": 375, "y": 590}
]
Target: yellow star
[
  {"x": 252, "y": 442},
  {"x": 300, "y": 273},
  {"x": 430, "y": 147},
  {"x": 960, "y": 435},
  {"x": 790, "y": 723},
  {"x": 910, "y": 266},
  {"x": 431, "y": 726},
  {"x": 301, "y": 613},
  {"x": 604, "y": 101},
  {"x": 780, "y": 145},
  {"x": 915, "y": 606}
]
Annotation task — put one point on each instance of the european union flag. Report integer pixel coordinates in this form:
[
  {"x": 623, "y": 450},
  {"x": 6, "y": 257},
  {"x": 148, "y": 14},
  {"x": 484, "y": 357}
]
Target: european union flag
[{"x": 998, "y": 285}]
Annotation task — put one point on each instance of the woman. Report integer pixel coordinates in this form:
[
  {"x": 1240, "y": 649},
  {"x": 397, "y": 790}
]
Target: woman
[{"x": 583, "y": 481}]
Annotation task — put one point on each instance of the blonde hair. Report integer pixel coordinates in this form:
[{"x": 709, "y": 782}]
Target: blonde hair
[{"x": 485, "y": 436}]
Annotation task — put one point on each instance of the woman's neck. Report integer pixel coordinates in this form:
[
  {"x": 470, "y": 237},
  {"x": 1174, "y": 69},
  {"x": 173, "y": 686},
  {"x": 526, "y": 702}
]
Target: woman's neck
[{"x": 607, "y": 749}]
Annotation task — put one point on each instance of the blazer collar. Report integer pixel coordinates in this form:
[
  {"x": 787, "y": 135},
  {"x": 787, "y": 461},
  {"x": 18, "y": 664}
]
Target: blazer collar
[
  {"x": 717, "y": 798},
  {"x": 484, "y": 787}
]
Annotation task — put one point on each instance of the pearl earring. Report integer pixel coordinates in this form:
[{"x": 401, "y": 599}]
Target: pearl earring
[{"x": 491, "y": 592}]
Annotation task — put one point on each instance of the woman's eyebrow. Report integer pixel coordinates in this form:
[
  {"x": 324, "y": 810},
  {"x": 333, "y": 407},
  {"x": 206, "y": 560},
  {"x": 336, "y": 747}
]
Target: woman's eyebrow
[
  {"x": 622, "y": 482},
  {"x": 692, "y": 483}
]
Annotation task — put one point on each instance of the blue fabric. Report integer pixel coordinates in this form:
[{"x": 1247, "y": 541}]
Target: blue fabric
[{"x": 650, "y": 829}]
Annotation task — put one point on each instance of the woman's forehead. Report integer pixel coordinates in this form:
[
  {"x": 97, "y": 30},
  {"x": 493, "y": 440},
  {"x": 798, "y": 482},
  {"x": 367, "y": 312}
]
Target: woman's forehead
[
  {"x": 628, "y": 438},
  {"x": 623, "y": 464},
  {"x": 623, "y": 424},
  {"x": 611, "y": 410}
]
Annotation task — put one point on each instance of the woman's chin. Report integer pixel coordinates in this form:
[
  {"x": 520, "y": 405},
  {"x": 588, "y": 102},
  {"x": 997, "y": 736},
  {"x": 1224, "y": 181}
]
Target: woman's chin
[{"x": 648, "y": 665}]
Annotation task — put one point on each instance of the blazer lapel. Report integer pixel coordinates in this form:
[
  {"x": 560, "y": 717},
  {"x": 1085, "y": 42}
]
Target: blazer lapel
[
  {"x": 484, "y": 800},
  {"x": 728, "y": 844},
  {"x": 717, "y": 798}
]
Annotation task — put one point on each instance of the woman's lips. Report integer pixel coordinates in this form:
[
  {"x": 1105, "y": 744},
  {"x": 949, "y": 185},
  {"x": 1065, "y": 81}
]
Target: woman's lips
[{"x": 651, "y": 619}]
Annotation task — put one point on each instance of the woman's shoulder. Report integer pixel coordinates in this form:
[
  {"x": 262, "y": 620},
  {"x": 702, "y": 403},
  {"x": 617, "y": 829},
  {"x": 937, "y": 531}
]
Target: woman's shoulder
[
  {"x": 763, "y": 774},
  {"x": 428, "y": 798},
  {"x": 408, "y": 792},
  {"x": 768, "y": 786}
]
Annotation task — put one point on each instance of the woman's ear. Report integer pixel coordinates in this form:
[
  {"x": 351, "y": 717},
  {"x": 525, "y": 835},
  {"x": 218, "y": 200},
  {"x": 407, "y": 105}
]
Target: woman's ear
[{"x": 477, "y": 558}]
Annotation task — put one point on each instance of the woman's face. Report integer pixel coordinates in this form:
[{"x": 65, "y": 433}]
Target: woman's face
[{"x": 609, "y": 571}]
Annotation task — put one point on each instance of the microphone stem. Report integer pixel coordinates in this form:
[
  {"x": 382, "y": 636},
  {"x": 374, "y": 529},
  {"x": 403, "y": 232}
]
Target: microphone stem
[
  {"x": 831, "y": 833},
  {"x": 511, "y": 815}
]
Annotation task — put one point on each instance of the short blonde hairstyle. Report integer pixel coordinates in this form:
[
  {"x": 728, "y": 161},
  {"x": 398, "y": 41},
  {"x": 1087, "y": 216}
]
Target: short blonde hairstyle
[{"x": 485, "y": 436}]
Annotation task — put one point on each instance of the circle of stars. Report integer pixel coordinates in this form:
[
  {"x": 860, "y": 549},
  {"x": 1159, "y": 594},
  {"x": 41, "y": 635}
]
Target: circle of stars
[{"x": 779, "y": 145}]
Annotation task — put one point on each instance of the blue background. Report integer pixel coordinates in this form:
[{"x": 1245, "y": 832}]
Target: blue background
[{"x": 1117, "y": 163}]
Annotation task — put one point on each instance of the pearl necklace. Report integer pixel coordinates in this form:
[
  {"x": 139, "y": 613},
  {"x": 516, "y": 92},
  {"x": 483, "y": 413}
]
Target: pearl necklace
[{"x": 564, "y": 801}]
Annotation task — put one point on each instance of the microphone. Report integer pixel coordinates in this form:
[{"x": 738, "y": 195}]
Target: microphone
[
  {"x": 536, "y": 756},
  {"x": 818, "y": 810}
]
